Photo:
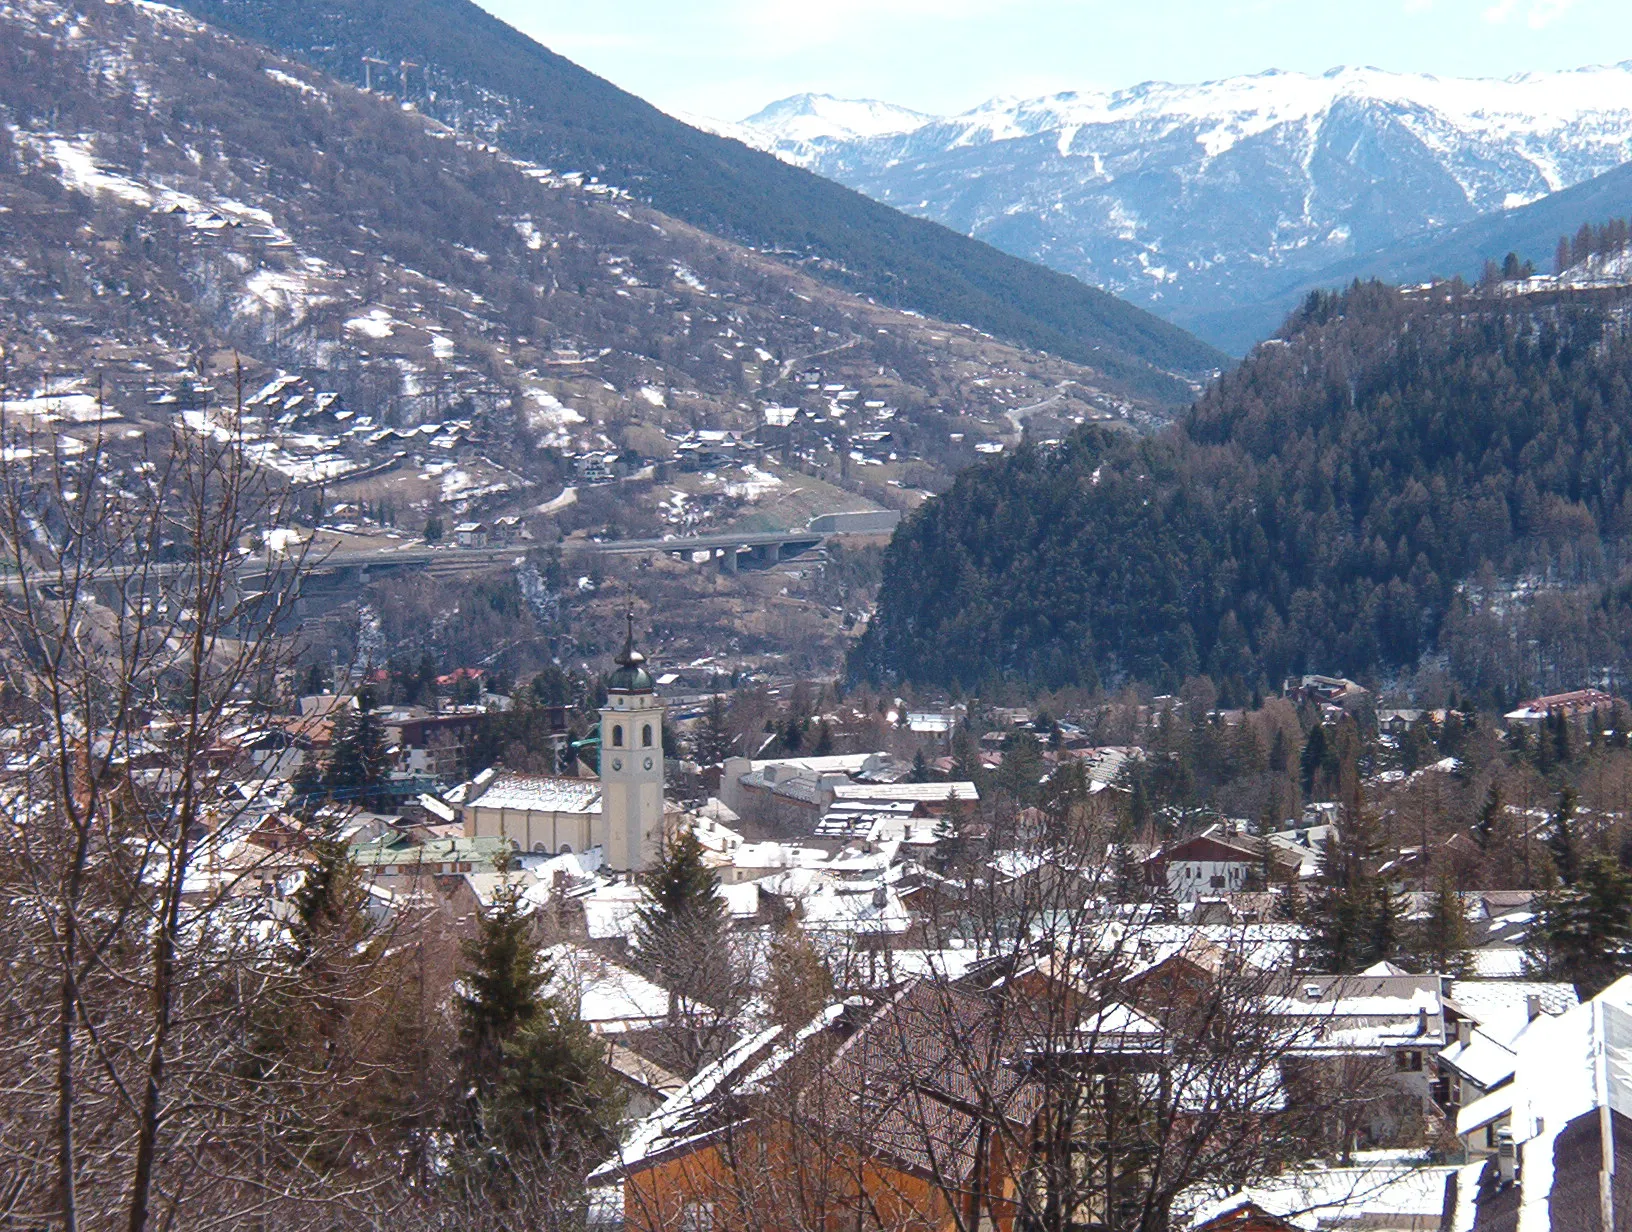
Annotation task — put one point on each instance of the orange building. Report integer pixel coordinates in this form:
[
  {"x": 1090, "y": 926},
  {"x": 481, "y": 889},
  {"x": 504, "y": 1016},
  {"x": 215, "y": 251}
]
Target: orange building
[{"x": 876, "y": 1119}]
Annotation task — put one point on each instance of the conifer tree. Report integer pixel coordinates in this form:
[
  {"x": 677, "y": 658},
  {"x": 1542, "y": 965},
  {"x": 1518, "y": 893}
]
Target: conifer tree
[
  {"x": 503, "y": 986},
  {"x": 920, "y": 768},
  {"x": 331, "y": 902},
  {"x": 1489, "y": 813},
  {"x": 1440, "y": 944},
  {"x": 680, "y": 927},
  {"x": 1583, "y": 931},
  {"x": 1561, "y": 837},
  {"x": 1353, "y": 914},
  {"x": 357, "y": 758},
  {"x": 556, "y": 1098},
  {"x": 712, "y": 742},
  {"x": 800, "y": 985}
]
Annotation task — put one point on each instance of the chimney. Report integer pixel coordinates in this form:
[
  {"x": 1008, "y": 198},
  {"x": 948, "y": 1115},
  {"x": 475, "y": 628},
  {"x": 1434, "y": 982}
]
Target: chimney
[
  {"x": 1422, "y": 1020},
  {"x": 881, "y": 897},
  {"x": 1506, "y": 1156},
  {"x": 1532, "y": 1006},
  {"x": 1464, "y": 1031}
]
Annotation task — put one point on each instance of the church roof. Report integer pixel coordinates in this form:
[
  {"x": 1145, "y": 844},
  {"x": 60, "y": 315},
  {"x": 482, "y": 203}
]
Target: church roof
[
  {"x": 631, "y": 675},
  {"x": 541, "y": 793}
]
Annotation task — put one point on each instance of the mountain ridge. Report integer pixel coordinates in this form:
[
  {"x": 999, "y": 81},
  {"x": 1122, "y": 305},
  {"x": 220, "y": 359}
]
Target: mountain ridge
[
  {"x": 486, "y": 78},
  {"x": 1206, "y": 201}
]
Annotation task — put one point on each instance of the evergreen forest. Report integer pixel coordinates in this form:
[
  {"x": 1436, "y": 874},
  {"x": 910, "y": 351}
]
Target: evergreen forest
[{"x": 1398, "y": 478}]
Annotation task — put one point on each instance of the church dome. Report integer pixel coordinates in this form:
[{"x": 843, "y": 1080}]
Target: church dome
[{"x": 631, "y": 675}]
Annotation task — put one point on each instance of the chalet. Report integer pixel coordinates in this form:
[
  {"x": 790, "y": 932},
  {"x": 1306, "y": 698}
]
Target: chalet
[
  {"x": 1494, "y": 1017},
  {"x": 508, "y": 529},
  {"x": 856, "y": 1117},
  {"x": 1564, "y": 1159},
  {"x": 1219, "y": 862},
  {"x": 1577, "y": 707},
  {"x": 471, "y": 534}
]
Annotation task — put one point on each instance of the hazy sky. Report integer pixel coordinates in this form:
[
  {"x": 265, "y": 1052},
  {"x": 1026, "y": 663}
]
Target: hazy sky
[{"x": 727, "y": 58}]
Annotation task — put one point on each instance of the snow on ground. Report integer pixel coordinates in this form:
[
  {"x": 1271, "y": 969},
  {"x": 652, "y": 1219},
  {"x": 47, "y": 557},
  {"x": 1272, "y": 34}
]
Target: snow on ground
[
  {"x": 690, "y": 279},
  {"x": 547, "y": 413},
  {"x": 77, "y": 408},
  {"x": 295, "y": 83},
  {"x": 378, "y": 323},
  {"x": 283, "y": 291},
  {"x": 753, "y": 484},
  {"x": 569, "y": 496},
  {"x": 79, "y": 172},
  {"x": 652, "y": 395},
  {"x": 282, "y": 540}
]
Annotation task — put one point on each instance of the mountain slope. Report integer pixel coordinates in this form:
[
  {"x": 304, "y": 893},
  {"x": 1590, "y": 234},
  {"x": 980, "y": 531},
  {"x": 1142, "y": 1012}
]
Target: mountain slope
[
  {"x": 1197, "y": 200},
  {"x": 1531, "y": 231},
  {"x": 488, "y": 78},
  {"x": 170, "y": 195},
  {"x": 1403, "y": 476}
]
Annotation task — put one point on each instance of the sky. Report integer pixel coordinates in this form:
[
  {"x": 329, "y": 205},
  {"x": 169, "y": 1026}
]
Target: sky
[{"x": 728, "y": 58}]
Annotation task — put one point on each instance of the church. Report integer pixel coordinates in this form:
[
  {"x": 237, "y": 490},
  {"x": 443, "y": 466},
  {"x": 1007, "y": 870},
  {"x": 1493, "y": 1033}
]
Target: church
[{"x": 623, "y": 812}]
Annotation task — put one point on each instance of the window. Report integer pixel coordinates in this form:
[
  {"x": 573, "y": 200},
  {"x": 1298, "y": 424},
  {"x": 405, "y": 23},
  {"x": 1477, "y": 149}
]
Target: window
[
  {"x": 617, "y": 735},
  {"x": 646, "y": 736},
  {"x": 1217, "y": 883},
  {"x": 1411, "y": 1061}
]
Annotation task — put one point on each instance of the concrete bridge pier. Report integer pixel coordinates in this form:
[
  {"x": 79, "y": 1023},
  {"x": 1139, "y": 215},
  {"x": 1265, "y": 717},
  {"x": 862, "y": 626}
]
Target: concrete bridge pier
[{"x": 728, "y": 560}]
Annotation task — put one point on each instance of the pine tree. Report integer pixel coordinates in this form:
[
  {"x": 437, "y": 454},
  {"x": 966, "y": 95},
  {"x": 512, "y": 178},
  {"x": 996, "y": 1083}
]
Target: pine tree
[
  {"x": 556, "y": 1097},
  {"x": 920, "y": 768},
  {"x": 680, "y": 927},
  {"x": 799, "y": 985},
  {"x": 1485, "y": 828},
  {"x": 1314, "y": 761},
  {"x": 502, "y": 986},
  {"x": 1353, "y": 914},
  {"x": 1440, "y": 946},
  {"x": 330, "y": 903},
  {"x": 712, "y": 741},
  {"x": 1583, "y": 931},
  {"x": 357, "y": 757},
  {"x": 1561, "y": 837}
]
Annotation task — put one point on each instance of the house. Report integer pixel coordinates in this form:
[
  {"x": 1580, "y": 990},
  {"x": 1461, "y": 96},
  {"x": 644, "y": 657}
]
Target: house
[
  {"x": 1325, "y": 690},
  {"x": 392, "y": 857},
  {"x": 507, "y": 530},
  {"x": 1565, "y": 1158},
  {"x": 1217, "y": 862},
  {"x": 471, "y": 534},
  {"x": 795, "y": 791},
  {"x": 1495, "y": 1016},
  {"x": 1381, "y": 1028},
  {"x": 1577, "y": 707},
  {"x": 859, "y": 1117}
]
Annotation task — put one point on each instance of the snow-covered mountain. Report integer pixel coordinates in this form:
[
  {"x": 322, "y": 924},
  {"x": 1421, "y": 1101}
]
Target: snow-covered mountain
[{"x": 1199, "y": 199}]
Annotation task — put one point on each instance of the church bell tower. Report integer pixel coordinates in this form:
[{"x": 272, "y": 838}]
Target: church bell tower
[{"x": 631, "y": 764}]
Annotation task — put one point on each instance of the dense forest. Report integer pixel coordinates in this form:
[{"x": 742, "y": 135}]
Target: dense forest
[
  {"x": 491, "y": 79},
  {"x": 1398, "y": 478}
]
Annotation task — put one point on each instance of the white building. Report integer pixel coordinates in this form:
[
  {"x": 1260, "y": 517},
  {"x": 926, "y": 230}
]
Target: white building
[{"x": 623, "y": 813}]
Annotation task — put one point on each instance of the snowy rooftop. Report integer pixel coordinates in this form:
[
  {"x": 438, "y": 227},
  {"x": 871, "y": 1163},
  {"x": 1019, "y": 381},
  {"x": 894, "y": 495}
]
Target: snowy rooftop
[
  {"x": 539, "y": 793},
  {"x": 609, "y": 997}
]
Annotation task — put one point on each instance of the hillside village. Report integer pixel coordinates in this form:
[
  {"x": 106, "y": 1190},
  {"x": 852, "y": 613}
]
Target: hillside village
[
  {"x": 542, "y": 688},
  {"x": 949, "y": 862}
]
